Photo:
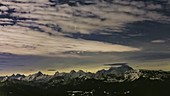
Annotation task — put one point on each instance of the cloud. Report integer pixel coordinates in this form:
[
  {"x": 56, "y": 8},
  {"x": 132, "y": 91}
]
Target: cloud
[
  {"x": 158, "y": 41},
  {"x": 115, "y": 64},
  {"x": 51, "y": 69}
]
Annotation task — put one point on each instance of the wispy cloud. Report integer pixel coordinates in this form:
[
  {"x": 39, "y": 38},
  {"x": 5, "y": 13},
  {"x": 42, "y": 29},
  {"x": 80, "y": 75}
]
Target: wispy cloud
[
  {"x": 158, "y": 41},
  {"x": 51, "y": 69}
]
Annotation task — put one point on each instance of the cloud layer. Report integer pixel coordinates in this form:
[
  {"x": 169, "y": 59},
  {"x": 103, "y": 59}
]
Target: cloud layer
[
  {"x": 36, "y": 29},
  {"x": 35, "y": 35}
]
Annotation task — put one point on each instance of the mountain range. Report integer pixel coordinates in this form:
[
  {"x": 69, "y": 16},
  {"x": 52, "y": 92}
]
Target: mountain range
[
  {"x": 113, "y": 74},
  {"x": 120, "y": 80}
]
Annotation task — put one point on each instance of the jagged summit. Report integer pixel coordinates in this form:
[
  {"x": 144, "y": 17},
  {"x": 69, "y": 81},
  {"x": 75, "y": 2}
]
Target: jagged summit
[
  {"x": 17, "y": 75},
  {"x": 72, "y": 71},
  {"x": 117, "y": 69},
  {"x": 39, "y": 73},
  {"x": 121, "y": 67}
]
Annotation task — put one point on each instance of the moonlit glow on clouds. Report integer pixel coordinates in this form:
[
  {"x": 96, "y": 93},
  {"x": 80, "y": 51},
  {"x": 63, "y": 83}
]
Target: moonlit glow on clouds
[
  {"x": 32, "y": 43},
  {"x": 36, "y": 36}
]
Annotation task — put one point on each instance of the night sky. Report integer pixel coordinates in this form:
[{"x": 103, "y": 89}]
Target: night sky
[{"x": 36, "y": 36}]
